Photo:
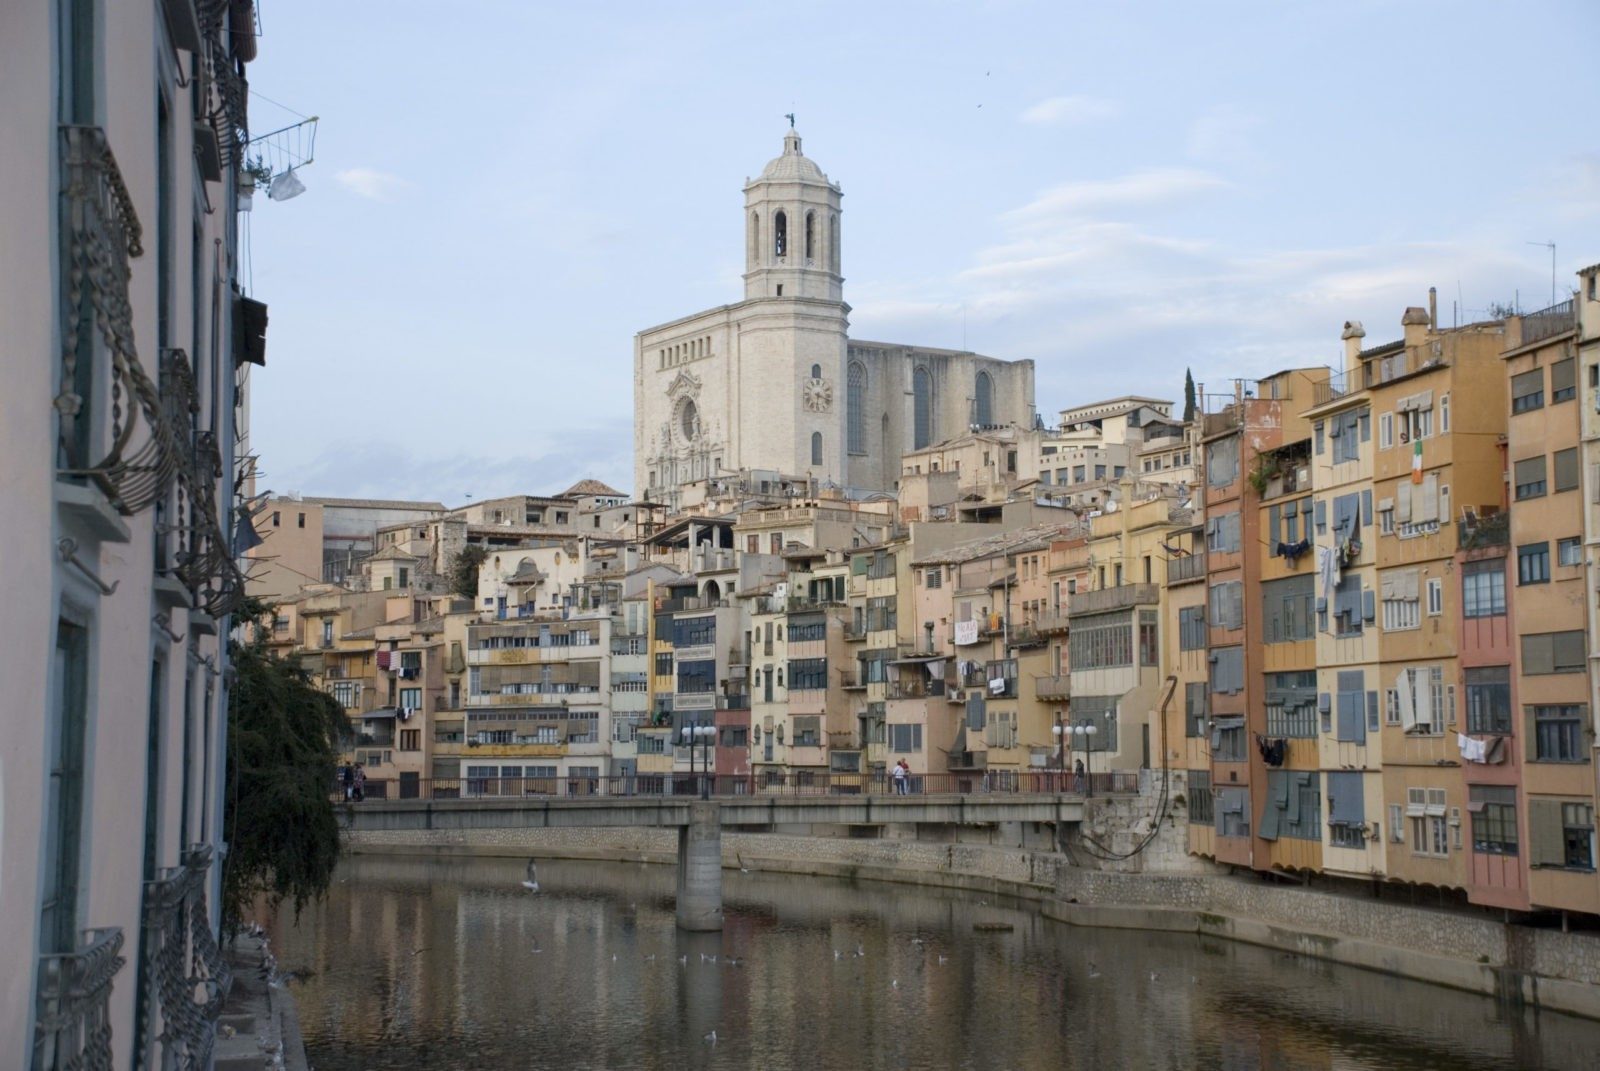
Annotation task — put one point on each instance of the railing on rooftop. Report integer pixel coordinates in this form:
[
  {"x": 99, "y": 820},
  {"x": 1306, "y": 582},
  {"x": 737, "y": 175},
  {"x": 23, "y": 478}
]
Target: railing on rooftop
[
  {"x": 1334, "y": 388},
  {"x": 1562, "y": 316}
]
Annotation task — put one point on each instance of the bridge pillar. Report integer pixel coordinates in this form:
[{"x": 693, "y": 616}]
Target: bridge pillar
[{"x": 700, "y": 868}]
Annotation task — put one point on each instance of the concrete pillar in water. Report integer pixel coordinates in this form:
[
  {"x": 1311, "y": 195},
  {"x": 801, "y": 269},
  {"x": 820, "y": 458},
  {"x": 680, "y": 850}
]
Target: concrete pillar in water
[{"x": 700, "y": 868}]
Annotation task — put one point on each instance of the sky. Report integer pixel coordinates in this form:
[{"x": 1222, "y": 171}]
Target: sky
[{"x": 504, "y": 193}]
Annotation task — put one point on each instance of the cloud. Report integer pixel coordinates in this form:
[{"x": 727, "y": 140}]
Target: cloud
[
  {"x": 1223, "y": 134},
  {"x": 1151, "y": 187},
  {"x": 1070, "y": 111},
  {"x": 371, "y": 184}
]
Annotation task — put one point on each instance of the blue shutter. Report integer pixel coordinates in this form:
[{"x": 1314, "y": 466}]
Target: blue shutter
[
  {"x": 1366, "y": 507},
  {"x": 1321, "y": 509},
  {"x": 1369, "y": 605},
  {"x": 1324, "y": 702}
]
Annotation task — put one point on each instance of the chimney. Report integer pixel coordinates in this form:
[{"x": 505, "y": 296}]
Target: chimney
[
  {"x": 1353, "y": 334},
  {"x": 1415, "y": 325},
  {"x": 1433, "y": 308}
]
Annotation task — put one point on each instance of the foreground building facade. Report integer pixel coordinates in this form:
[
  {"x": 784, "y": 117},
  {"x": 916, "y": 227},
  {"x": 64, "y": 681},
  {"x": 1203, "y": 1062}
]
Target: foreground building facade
[{"x": 128, "y": 346}]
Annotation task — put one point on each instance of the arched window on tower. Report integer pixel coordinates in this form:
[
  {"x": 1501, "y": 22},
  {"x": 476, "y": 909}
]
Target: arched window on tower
[
  {"x": 833, "y": 244},
  {"x": 780, "y": 234},
  {"x": 922, "y": 408},
  {"x": 983, "y": 400},
  {"x": 816, "y": 371},
  {"x": 755, "y": 238},
  {"x": 855, "y": 400},
  {"x": 811, "y": 236},
  {"x": 816, "y": 448}
]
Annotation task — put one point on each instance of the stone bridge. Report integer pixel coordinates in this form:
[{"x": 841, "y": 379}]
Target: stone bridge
[{"x": 700, "y": 822}]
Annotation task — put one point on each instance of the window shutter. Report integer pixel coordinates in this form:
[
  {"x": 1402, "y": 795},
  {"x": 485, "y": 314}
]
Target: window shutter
[
  {"x": 1317, "y": 429},
  {"x": 1321, "y": 509},
  {"x": 1369, "y": 605},
  {"x": 1366, "y": 506},
  {"x": 1372, "y": 712},
  {"x": 1530, "y": 736},
  {"x": 1275, "y": 526},
  {"x": 1547, "y": 838},
  {"x": 1402, "y": 511},
  {"x": 1324, "y": 702},
  {"x": 1538, "y": 654}
]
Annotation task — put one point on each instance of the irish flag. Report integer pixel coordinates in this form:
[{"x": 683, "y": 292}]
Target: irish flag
[{"x": 1416, "y": 461}]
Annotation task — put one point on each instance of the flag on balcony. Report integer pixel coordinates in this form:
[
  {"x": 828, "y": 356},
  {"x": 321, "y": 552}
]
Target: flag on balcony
[{"x": 1416, "y": 461}]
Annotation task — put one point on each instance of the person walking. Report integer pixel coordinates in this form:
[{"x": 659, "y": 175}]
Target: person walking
[{"x": 1077, "y": 776}]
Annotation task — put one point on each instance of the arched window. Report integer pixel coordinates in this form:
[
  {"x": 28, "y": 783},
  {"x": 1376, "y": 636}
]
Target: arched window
[
  {"x": 922, "y": 408},
  {"x": 816, "y": 371},
  {"x": 816, "y": 448},
  {"x": 855, "y": 399},
  {"x": 983, "y": 400},
  {"x": 780, "y": 234},
  {"x": 833, "y": 244},
  {"x": 811, "y": 232},
  {"x": 755, "y": 238}
]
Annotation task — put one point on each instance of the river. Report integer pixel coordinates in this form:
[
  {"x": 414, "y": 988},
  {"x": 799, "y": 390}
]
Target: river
[{"x": 413, "y": 962}]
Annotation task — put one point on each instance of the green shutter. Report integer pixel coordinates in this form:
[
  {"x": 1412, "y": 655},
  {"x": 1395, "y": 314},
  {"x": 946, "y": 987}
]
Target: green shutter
[{"x": 1547, "y": 839}]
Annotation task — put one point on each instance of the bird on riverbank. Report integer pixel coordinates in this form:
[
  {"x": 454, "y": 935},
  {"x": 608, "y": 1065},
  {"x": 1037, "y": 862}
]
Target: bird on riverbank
[
  {"x": 531, "y": 882},
  {"x": 711, "y": 1038},
  {"x": 1094, "y": 972}
]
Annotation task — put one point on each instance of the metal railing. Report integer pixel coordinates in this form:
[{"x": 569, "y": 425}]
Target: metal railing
[
  {"x": 187, "y": 973},
  {"x": 1559, "y": 317},
  {"x": 1117, "y": 598},
  {"x": 1055, "y": 687},
  {"x": 1336, "y": 387},
  {"x": 1189, "y": 567},
  {"x": 765, "y": 783},
  {"x": 916, "y": 688},
  {"x": 73, "y": 1024}
]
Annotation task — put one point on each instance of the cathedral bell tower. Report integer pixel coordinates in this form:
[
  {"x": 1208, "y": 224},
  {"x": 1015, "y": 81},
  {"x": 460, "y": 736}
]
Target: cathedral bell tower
[{"x": 792, "y": 230}]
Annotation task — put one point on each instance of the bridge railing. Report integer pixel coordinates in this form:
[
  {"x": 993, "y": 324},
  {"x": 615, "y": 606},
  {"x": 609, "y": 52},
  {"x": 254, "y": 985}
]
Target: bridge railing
[{"x": 790, "y": 783}]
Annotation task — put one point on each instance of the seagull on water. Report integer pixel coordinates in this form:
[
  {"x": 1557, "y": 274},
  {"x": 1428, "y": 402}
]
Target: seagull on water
[
  {"x": 711, "y": 1038},
  {"x": 531, "y": 882}
]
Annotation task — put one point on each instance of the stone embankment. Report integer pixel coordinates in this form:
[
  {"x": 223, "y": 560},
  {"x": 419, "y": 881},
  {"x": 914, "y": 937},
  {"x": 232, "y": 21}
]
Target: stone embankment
[{"x": 1542, "y": 968}]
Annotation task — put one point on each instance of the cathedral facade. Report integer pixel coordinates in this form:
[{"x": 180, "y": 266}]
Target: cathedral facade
[{"x": 773, "y": 383}]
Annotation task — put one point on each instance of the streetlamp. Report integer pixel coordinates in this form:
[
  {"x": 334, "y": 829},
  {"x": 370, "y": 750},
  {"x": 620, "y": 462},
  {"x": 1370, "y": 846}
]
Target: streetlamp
[
  {"x": 1058, "y": 730},
  {"x": 703, "y": 735},
  {"x": 1086, "y": 734}
]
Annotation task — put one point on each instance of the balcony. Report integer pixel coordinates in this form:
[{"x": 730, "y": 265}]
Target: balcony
[
  {"x": 1484, "y": 532},
  {"x": 1190, "y": 567},
  {"x": 855, "y": 633},
  {"x": 1119, "y": 598},
  {"x": 851, "y": 681},
  {"x": 1052, "y": 687},
  {"x": 915, "y": 688},
  {"x": 73, "y": 1028},
  {"x": 1537, "y": 326},
  {"x": 1051, "y": 623},
  {"x": 191, "y": 977},
  {"x": 1336, "y": 387}
]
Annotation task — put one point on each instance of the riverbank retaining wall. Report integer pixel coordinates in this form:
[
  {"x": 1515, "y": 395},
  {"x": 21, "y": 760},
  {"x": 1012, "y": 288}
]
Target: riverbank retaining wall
[{"x": 1542, "y": 968}]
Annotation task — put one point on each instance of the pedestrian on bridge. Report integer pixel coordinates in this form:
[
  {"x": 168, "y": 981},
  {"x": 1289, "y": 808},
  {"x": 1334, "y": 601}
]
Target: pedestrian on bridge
[{"x": 901, "y": 770}]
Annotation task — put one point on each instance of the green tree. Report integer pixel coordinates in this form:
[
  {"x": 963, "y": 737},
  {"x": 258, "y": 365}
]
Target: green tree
[
  {"x": 464, "y": 570},
  {"x": 283, "y": 746},
  {"x": 1188, "y": 396}
]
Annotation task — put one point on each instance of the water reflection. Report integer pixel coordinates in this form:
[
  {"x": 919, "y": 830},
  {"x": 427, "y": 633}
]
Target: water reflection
[{"x": 421, "y": 963}]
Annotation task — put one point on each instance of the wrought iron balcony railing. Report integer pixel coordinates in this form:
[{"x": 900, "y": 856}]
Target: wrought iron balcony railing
[
  {"x": 186, "y": 971},
  {"x": 73, "y": 1028}
]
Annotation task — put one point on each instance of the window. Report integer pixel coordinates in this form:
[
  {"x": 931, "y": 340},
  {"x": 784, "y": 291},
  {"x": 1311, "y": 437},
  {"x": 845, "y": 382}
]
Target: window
[
  {"x": 1233, "y": 811},
  {"x": 1222, "y": 533},
  {"x": 1385, "y": 431},
  {"x": 816, "y": 448},
  {"x": 983, "y": 400},
  {"x": 1565, "y": 468},
  {"x": 1494, "y": 819},
  {"x": 1401, "y": 607},
  {"x": 1561, "y": 834},
  {"x": 1577, "y": 833},
  {"x": 1291, "y": 702},
  {"x": 275, "y": 517},
  {"x": 811, "y": 238},
  {"x": 1557, "y": 733},
  {"x": 1293, "y": 806},
  {"x": 1227, "y": 670},
  {"x": 347, "y": 693},
  {"x": 1527, "y": 391},
  {"x": 1563, "y": 381},
  {"x": 411, "y": 698},
  {"x": 1348, "y": 431},
  {"x": 1483, "y": 588},
  {"x": 1102, "y": 641},
  {"x": 734, "y": 736},
  {"x": 1533, "y": 563},
  {"x": 935, "y": 578},
  {"x": 1529, "y": 478},
  {"x": 1192, "y": 628},
  {"x": 1352, "y": 703},
  {"x": 302, "y": 521},
  {"x": 1416, "y": 424},
  {"x": 1222, "y": 462},
  {"x": 1194, "y": 709},
  {"x": 1552, "y": 652},
  {"x": 808, "y": 674},
  {"x": 1227, "y": 605},
  {"x": 1489, "y": 700},
  {"x": 780, "y": 235},
  {"x": 1435, "y": 596},
  {"x": 1288, "y": 609},
  {"x": 922, "y": 408},
  {"x": 1569, "y": 551},
  {"x": 1201, "y": 810},
  {"x": 905, "y": 738},
  {"x": 1228, "y": 740},
  {"x": 1429, "y": 831},
  {"x": 1347, "y": 813},
  {"x": 1444, "y": 414},
  {"x": 855, "y": 408}
]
